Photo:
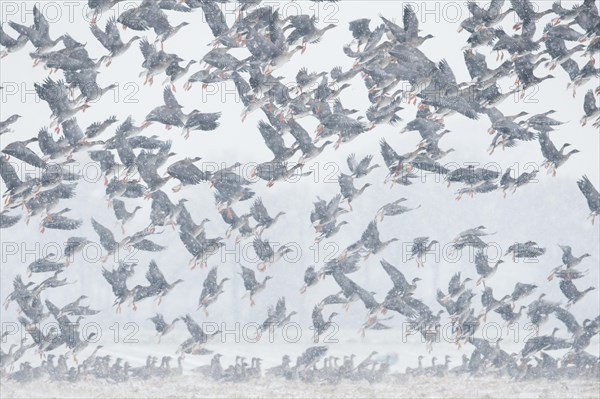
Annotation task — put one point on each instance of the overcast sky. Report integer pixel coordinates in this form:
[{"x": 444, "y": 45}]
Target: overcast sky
[{"x": 551, "y": 211}]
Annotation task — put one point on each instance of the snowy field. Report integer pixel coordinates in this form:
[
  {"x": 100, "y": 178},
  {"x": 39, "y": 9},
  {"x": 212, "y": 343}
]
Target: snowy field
[
  {"x": 421, "y": 387},
  {"x": 396, "y": 385},
  {"x": 549, "y": 211}
]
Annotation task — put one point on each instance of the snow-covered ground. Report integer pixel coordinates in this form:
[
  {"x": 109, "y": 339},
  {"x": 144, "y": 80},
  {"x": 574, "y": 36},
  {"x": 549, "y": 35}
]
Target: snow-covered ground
[
  {"x": 550, "y": 211},
  {"x": 421, "y": 387}
]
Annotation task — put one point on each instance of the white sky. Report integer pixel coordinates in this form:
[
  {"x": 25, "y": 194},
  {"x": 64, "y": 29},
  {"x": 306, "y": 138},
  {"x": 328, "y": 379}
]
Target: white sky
[{"x": 549, "y": 212}]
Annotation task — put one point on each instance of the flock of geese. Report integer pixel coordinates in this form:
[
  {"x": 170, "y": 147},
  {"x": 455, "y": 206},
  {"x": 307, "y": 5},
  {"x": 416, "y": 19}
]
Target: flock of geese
[{"x": 137, "y": 165}]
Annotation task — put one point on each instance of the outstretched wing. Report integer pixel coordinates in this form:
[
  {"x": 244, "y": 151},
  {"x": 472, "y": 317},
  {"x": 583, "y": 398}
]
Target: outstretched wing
[
  {"x": 400, "y": 282},
  {"x": 155, "y": 276},
  {"x": 591, "y": 194}
]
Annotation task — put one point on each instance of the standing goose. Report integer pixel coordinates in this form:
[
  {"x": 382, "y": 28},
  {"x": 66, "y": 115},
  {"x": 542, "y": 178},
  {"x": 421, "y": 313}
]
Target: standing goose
[{"x": 251, "y": 285}]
